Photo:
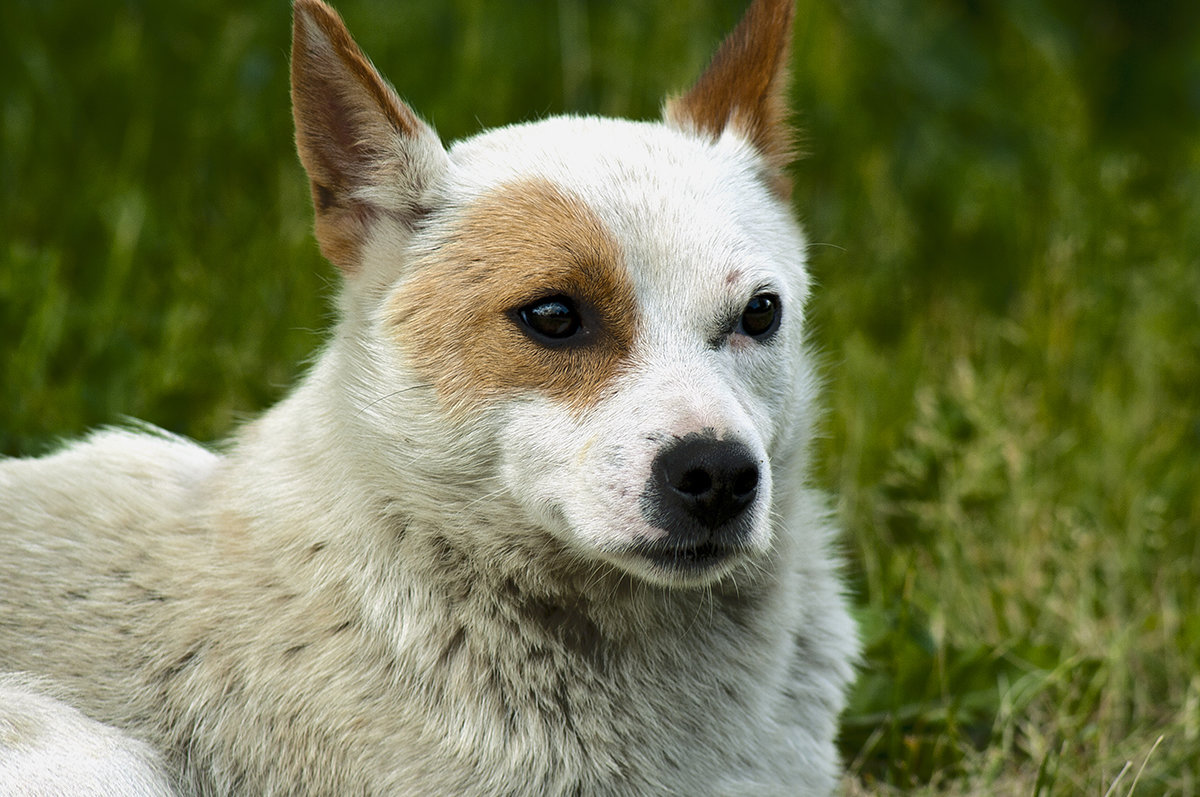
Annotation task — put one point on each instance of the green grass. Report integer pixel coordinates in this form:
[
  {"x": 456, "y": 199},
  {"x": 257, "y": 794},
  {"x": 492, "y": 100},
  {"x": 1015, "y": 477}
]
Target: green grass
[{"x": 1006, "y": 202}]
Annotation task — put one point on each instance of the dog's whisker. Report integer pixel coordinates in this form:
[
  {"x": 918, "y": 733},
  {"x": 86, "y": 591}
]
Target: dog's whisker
[
  {"x": 392, "y": 395},
  {"x": 486, "y": 497}
]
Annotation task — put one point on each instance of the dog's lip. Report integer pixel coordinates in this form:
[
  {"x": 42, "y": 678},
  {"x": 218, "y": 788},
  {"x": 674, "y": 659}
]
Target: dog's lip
[{"x": 687, "y": 558}]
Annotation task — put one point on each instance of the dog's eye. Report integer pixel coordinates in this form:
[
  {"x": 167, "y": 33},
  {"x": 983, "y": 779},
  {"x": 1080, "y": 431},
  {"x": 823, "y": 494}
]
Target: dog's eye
[
  {"x": 760, "y": 319},
  {"x": 550, "y": 320}
]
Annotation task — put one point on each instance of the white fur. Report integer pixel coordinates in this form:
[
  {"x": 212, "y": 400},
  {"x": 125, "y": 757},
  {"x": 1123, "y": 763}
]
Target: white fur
[
  {"x": 48, "y": 749},
  {"x": 367, "y": 594}
]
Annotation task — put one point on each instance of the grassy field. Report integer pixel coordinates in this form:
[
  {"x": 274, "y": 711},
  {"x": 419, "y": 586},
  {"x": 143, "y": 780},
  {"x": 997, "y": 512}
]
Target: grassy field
[{"x": 1005, "y": 202}]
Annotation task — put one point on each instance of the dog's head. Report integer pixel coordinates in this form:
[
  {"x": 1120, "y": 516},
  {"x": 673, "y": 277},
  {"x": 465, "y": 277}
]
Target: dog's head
[{"x": 612, "y": 309}]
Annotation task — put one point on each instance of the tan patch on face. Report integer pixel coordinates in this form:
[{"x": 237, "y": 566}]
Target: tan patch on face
[{"x": 456, "y": 317}]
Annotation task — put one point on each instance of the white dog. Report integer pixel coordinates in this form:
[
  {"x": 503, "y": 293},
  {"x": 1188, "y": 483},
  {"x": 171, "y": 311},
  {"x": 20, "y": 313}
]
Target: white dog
[{"x": 535, "y": 523}]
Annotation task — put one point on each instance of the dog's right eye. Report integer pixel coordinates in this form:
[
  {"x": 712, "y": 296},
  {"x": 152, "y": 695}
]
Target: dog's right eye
[
  {"x": 550, "y": 321},
  {"x": 760, "y": 319}
]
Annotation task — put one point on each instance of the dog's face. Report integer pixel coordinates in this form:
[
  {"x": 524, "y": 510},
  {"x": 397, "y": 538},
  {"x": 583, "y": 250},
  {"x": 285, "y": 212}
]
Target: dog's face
[
  {"x": 628, "y": 298},
  {"x": 618, "y": 304}
]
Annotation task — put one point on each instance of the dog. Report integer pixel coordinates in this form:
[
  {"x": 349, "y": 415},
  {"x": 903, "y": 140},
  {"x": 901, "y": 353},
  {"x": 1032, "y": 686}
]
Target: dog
[{"x": 535, "y": 522}]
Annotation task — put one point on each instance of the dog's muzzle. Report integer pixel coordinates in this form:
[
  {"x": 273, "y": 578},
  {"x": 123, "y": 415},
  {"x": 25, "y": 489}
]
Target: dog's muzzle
[{"x": 699, "y": 491}]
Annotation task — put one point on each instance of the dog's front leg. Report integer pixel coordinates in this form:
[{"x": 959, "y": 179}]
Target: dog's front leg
[{"x": 49, "y": 748}]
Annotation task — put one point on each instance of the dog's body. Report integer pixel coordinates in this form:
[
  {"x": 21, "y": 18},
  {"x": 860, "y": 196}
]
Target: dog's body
[{"x": 536, "y": 521}]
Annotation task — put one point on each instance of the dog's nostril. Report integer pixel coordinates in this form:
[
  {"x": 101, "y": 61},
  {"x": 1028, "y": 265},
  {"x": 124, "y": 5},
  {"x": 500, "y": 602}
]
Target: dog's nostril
[
  {"x": 745, "y": 482},
  {"x": 695, "y": 482}
]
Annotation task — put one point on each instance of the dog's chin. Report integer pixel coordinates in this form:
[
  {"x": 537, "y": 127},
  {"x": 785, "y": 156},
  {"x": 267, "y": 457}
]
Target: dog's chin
[{"x": 681, "y": 565}]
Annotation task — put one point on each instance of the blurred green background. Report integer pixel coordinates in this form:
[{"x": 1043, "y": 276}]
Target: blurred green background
[{"x": 1004, "y": 200}]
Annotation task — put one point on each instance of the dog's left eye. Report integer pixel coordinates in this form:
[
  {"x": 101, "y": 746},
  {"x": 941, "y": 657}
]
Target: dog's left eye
[
  {"x": 551, "y": 320},
  {"x": 760, "y": 319}
]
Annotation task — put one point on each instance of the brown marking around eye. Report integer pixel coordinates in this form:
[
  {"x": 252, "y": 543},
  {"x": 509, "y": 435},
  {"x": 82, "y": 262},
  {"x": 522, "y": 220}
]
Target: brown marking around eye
[{"x": 525, "y": 241}]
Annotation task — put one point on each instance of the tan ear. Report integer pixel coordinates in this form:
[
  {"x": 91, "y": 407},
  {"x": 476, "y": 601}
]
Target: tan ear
[
  {"x": 366, "y": 153},
  {"x": 745, "y": 88}
]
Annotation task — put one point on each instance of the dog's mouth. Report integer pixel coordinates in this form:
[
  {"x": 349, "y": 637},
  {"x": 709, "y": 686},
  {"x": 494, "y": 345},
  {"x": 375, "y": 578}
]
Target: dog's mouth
[{"x": 688, "y": 559}]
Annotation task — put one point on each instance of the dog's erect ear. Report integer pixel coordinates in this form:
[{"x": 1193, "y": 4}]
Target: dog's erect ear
[
  {"x": 366, "y": 152},
  {"x": 745, "y": 87}
]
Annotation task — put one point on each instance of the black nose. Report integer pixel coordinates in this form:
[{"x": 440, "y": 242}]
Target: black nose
[{"x": 701, "y": 486}]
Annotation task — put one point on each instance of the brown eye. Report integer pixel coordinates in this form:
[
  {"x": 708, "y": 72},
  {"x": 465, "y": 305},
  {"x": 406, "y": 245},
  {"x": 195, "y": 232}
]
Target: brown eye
[
  {"x": 760, "y": 319},
  {"x": 551, "y": 320}
]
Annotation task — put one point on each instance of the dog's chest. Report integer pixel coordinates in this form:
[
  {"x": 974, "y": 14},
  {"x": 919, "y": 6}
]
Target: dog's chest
[{"x": 547, "y": 698}]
